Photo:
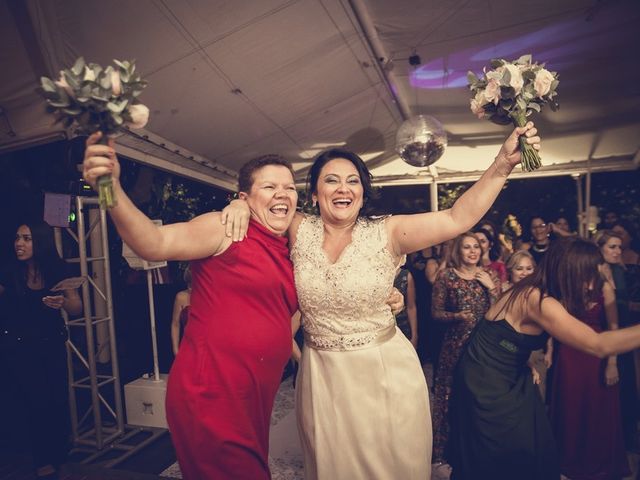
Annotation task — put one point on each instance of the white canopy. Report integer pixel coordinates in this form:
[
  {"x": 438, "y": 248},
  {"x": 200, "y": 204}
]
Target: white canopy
[{"x": 230, "y": 80}]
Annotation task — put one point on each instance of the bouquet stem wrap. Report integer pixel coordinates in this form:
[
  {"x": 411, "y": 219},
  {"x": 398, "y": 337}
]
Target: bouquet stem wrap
[
  {"x": 106, "y": 195},
  {"x": 530, "y": 158}
]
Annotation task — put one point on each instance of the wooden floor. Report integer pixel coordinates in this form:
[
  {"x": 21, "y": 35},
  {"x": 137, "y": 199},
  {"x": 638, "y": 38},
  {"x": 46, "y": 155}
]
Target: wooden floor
[{"x": 144, "y": 465}]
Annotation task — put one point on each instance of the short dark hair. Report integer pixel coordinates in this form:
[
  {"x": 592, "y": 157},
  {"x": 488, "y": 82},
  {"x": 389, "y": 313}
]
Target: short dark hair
[
  {"x": 325, "y": 157},
  {"x": 245, "y": 176},
  {"x": 568, "y": 267}
]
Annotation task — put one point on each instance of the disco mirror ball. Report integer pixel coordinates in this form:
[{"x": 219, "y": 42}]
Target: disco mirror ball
[{"x": 421, "y": 141}]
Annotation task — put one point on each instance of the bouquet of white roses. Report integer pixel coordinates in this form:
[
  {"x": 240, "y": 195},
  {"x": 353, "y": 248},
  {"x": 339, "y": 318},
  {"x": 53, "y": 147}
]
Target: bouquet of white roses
[
  {"x": 512, "y": 91},
  {"x": 97, "y": 99}
]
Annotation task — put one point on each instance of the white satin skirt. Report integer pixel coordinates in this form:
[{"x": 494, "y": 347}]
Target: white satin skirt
[{"x": 364, "y": 414}]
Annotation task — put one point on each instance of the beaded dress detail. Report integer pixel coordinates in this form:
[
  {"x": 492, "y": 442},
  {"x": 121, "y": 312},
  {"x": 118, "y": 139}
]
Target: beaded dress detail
[
  {"x": 343, "y": 303},
  {"x": 356, "y": 365}
]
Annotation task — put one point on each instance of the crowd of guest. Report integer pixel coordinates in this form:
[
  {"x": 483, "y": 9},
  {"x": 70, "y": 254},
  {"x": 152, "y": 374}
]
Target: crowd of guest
[{"x": 466, "y": 277}]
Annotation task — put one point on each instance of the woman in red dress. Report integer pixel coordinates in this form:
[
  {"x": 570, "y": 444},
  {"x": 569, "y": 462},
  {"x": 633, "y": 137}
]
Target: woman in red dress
[
  {"x": 238, "y": 338},
  {"x": 585, "y": 404}
]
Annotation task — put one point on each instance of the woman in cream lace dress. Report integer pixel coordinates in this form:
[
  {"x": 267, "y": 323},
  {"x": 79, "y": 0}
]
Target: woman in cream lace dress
[{"x": 361, "y": 396}]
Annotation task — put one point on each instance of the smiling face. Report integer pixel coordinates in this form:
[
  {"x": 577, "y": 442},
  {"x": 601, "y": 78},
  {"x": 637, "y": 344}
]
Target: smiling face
[
  {"x": 539, "y": 230},
  {"x": 612, "y": 250},
  {"x": 272, "y": 198},
  {"x": 23, "y": 244},
  {"x": 339, "y": 192},
  {"x": 470, "y": 251},
  {"x": 522, "y": 269}
]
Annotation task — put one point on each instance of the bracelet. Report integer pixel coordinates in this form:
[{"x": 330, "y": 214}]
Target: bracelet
[{"x": 502, "y": 174}]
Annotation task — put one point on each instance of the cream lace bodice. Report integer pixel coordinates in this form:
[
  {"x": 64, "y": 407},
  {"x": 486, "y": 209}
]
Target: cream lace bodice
[{"x": 343, "y": 304}]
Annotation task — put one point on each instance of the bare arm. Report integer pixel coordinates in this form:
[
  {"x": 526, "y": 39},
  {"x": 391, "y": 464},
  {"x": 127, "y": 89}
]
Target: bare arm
[
  {"x": 72, "y": 302},
  {"x": 201, "y": 237},
  {"x": 431, "y": 270},
  {"x": 68, "y": 300},
  {"x": 611, "y": 314},
  {"x": 296, "y": 354},
  {"x": 412, "y": 310},
  {"x": 560, "y": 324},
  {"x": 409, "y": 233},
  {"x": 181, "y": 301}
]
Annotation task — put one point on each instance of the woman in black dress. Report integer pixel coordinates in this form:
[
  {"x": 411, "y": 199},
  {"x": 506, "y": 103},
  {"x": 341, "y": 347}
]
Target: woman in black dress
[
  {"x": 32, "y": 341},
  {"x": 499, "y": 427}
]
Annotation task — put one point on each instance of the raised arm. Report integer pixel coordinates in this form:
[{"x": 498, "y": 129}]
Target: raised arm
[
  {"x": 561, "y": 325},
  {"x": 201, "y": 237},
  {"x": 409, "y": 233}
]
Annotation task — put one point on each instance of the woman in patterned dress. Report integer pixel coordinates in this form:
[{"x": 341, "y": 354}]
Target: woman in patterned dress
[
  {"x": 357, "y": 371},
  {"x": 462, "y": 294}
]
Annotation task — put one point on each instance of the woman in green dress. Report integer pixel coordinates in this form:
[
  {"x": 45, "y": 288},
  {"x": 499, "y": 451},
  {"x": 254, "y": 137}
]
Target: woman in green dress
[{"x": 499, "y": 427}]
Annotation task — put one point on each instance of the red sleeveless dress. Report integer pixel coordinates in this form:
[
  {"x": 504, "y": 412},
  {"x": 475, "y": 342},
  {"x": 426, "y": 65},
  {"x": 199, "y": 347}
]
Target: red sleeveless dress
[
  {"x": 238, "y": 339},
  {"x": 585, "y": 413}
]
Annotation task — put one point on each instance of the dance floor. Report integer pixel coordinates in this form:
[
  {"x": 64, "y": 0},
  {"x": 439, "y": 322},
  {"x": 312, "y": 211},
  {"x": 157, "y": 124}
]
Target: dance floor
[{"x": 157, "y": 461}]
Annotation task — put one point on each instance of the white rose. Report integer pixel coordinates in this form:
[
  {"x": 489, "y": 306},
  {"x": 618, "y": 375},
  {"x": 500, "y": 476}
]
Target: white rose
[
  {"x": 62, "y": 83},
  {"x": 542, "y": 82},
  {"x": 516, "y": 80},
  {"x": 89, "y": 76},
  {"x": 492, "y": 91},
  {"x": 116, "y": 85},
  {"x": 139, "y": 115},
  {"x": 477, "y": 104}
]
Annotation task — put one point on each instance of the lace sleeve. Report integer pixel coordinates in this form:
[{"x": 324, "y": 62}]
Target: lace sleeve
[{"x": 438, "y": 302}]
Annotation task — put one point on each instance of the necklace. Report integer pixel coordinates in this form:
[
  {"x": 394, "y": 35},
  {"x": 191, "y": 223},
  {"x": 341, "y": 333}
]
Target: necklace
[{"x": 540, "y": 249}]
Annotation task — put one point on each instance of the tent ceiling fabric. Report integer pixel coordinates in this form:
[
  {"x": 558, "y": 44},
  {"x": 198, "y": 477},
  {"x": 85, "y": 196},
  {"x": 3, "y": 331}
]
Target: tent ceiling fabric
[{"x": 232, "y": 80}]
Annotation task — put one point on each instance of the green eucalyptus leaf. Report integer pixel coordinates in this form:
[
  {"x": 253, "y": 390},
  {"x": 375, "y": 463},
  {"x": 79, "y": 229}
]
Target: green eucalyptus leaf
[
  {"x": 496, "y": 62},
  {"x": 72, "y": 111},
  {"x": 472, "y": 78},
  {"x": 117, "y": 119},
  {"x": 105, "y": 82},
  {"x": 120, "y": 64},
  {"x": 524, "y": 60},
  {"x": 505, "y": 81},
  {"x": 47, "y": 84},
  {"x": 72, "y": 80},
  {"x": 78, "y": 66},
  {"x": 534, "y": 106},
  {"x": 58, "y": 104},
  {"x": 99, "y": 97}
]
